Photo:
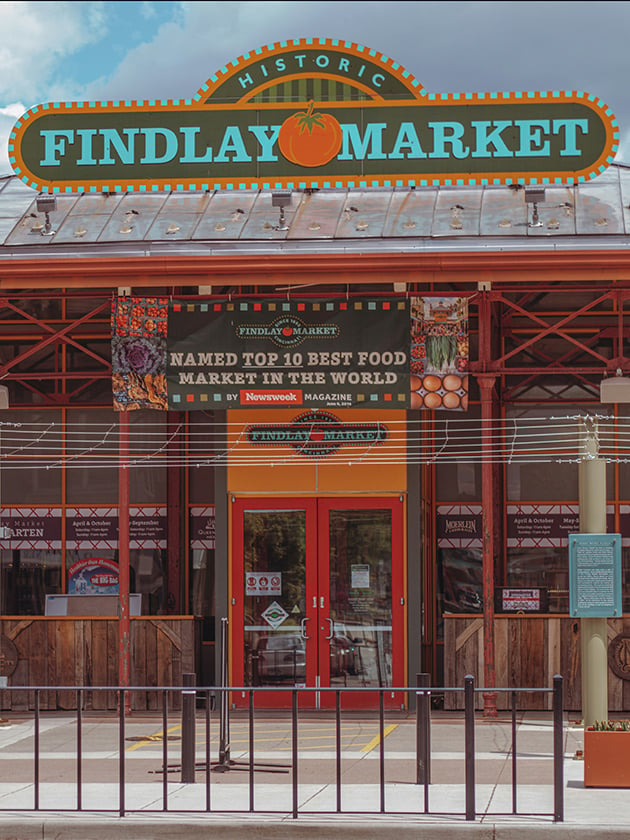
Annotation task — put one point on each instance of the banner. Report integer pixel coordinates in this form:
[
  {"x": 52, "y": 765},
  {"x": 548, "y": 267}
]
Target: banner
[
  {"x": 139, "y": 327},
  {"x": 279, "y": 353},
  {"x": 93, "y": 576},
  {"x": 439, "y": 353},
  {"x": 315, "y": 354}
]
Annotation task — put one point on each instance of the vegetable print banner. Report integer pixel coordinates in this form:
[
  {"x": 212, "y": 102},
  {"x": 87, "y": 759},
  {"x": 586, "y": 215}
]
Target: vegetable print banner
[
  {"x": 439, "y": 353},
  {"x": 314, "y": 354}
]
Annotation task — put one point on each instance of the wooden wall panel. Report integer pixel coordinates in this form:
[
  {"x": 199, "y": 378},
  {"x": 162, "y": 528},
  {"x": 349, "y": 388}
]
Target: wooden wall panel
[
  {"x": 153, "y": 700},
  {"x": 529, "y": 651},
  {"x": 139, "y": 663},
  {"x": 66, "y": 652}
]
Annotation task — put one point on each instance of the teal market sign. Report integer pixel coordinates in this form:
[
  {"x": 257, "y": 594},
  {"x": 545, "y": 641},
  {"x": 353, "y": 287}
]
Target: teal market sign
[{"x": 313, "y": 113}]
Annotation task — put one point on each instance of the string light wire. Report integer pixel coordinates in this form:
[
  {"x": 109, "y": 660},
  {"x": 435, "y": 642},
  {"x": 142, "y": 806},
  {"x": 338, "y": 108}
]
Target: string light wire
[{"x": 513, "y": 440}]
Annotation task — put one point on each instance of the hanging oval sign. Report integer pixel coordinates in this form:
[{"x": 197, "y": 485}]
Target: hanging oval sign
[{"x": 314, "y": 113}]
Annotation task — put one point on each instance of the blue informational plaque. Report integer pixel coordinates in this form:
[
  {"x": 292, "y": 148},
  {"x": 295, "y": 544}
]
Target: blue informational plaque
[{"x": 595, "y": 575}]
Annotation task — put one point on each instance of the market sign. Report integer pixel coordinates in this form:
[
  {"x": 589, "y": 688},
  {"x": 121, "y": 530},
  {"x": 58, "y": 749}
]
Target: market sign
[
  {"x": 313, "y": 113},
  {"x": 316, "y": 434}
]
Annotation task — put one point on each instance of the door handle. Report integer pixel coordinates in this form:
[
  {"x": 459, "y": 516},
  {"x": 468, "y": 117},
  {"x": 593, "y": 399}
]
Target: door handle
[
  {"x": 303, "y": 628},
  {"x": 330, "y": 621}
]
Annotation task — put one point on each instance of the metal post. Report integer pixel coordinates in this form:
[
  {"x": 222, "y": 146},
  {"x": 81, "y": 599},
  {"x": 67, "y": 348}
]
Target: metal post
[
  {"x": 121, "y": 753},
  {"x": 79, "y": 749},
  {"x": 469, "y": 729},
  {"x": 423, "y": 732},
  {"x": 251, "y": 749},
  {"x": 486, "y": 387},
  {"x": 164, "y": 750},
  {"x": 558, "y": 751},
  {"x": 593, "y": 631},
  {"x": 124, "y": 625},
  {"x": 36, "y": 752},
  {"x": 224, "y": 715},
  {"x": 294, "y": 753},
  {"x": 514, "y": 754},
  {"x": 189, "y": 699}
]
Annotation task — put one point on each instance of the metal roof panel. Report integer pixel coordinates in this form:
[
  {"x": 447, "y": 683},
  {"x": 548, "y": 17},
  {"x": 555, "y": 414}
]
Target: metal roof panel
[
  {"x": 225, "y": 215},
  {"x": 317, "y": 215},
  {"x": 457, "y": 213},
  {"x": 324, "y": 220},
  {"x": 556, "y": 214},
  {"x": 598, "y": 205},
  {"x": 133, "y": 217},
  {"x": 503, "y": 212},
  {"x": 364, "y": 214},
  {"x": 410, "y": 213}
]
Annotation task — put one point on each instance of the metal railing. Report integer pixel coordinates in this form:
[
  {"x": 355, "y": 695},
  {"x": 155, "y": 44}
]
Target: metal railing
[{"x": 198, "y": 711}]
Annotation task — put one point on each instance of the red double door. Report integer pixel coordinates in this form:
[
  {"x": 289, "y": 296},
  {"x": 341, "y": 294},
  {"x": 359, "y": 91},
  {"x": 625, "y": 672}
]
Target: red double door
[{"x": 318, "y": 599}]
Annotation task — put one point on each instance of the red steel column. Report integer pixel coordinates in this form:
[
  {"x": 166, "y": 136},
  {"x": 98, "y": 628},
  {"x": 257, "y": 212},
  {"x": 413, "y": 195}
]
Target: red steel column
[
  {"x": 124, "y": 624},
  {"x": 175, "y": 564},
  {"x": 486, "y": 381},
  {"x": 486, "y": 386}
]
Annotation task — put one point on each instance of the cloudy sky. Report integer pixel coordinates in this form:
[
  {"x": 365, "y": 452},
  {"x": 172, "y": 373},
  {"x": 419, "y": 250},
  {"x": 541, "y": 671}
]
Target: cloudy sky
[{"x": 140, "y": 50}]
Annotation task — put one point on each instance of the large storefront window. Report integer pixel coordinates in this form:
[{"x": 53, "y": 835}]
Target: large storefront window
[
  {"x": 26, "y": 577},
  {"x": 546, "y": 568},
  {"x": 202, "y": 582}
]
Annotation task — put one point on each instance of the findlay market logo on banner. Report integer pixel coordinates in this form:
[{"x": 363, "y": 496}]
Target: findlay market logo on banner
[
  {"x": 317, "y": 434},
  {"x": 313, "y": 113},
  {"x": 287, "y": 331}
]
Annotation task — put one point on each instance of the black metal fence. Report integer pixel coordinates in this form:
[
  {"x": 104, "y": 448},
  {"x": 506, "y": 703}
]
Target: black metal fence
[{"x": 207, "y": 709}]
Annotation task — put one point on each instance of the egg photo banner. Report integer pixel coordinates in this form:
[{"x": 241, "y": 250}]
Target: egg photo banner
[{"x": 315, "y": 354}]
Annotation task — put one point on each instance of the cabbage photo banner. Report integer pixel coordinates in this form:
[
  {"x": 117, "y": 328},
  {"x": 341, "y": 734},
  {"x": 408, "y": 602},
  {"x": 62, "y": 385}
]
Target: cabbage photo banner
[
  {"x": 439, "y": 353},
  {"x": 288, "y": 353},
  {"x": 139, "y": 327}
]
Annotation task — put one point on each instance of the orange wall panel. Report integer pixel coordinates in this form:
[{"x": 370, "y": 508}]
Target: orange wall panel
[{"x": 267, "y": 470}]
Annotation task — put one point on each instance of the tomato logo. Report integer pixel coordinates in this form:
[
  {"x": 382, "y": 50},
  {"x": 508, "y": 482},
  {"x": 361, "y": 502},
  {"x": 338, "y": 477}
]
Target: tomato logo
[{"x": 310, "y": 139}]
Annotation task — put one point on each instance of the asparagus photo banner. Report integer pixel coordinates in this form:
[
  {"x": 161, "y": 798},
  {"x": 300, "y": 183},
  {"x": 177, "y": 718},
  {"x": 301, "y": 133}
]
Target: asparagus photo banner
[
  {"x": 439, "y": 353},
  {"x": 397, "y": 353}
]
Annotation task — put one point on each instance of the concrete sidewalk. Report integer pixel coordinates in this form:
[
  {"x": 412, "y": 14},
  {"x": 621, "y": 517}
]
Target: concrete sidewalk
[{"x": 598, "y": 813}]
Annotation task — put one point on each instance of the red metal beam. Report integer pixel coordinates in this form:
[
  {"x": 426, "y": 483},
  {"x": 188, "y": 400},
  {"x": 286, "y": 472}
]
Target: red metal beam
[{"x": 466, "y": 268}]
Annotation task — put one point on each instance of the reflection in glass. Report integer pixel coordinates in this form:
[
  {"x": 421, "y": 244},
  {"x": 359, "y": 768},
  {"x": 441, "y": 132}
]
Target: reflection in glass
[
  {"x": 274, "y": 548},
  {"x": 26, "y": 577},
  {"x": 545, "y": 567},
  {"x": 360, "y": 597},
  {"x": 459, "y": 583}
]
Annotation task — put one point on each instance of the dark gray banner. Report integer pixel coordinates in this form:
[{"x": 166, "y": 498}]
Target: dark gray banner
[{"x": 288, "y": 354}]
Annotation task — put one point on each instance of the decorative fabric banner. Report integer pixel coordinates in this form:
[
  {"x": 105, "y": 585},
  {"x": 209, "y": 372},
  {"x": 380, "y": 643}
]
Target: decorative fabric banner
[
  {"x": 139, "y": 329},
  {"x": 371, "y": 353},
  {"x": 439, "y": 353}
]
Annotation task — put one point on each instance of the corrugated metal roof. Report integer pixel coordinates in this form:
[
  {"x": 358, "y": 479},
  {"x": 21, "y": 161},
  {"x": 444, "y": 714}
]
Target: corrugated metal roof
[{"x": 323, "y": 221}]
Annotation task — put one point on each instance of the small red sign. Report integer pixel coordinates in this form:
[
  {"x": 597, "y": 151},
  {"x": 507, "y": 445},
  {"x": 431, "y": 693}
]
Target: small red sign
[{"x": 279, "y": 398}]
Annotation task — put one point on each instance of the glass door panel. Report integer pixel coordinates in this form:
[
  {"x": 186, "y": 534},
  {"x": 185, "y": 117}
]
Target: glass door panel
[
  {"x": 360, "y": 569},
  {"x": 272, "y": 645},
  {"x": 360, "y": 586}
]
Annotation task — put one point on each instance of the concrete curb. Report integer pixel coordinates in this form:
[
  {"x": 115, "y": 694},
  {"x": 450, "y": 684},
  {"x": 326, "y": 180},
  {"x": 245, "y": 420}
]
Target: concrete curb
[{"x": 173, "y": 827}]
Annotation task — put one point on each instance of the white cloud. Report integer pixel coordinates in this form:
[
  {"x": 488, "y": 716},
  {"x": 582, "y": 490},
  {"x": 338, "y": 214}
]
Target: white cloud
[
  {"x": 35, "y": 36},
  {"x": 8, "y": 116}
]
